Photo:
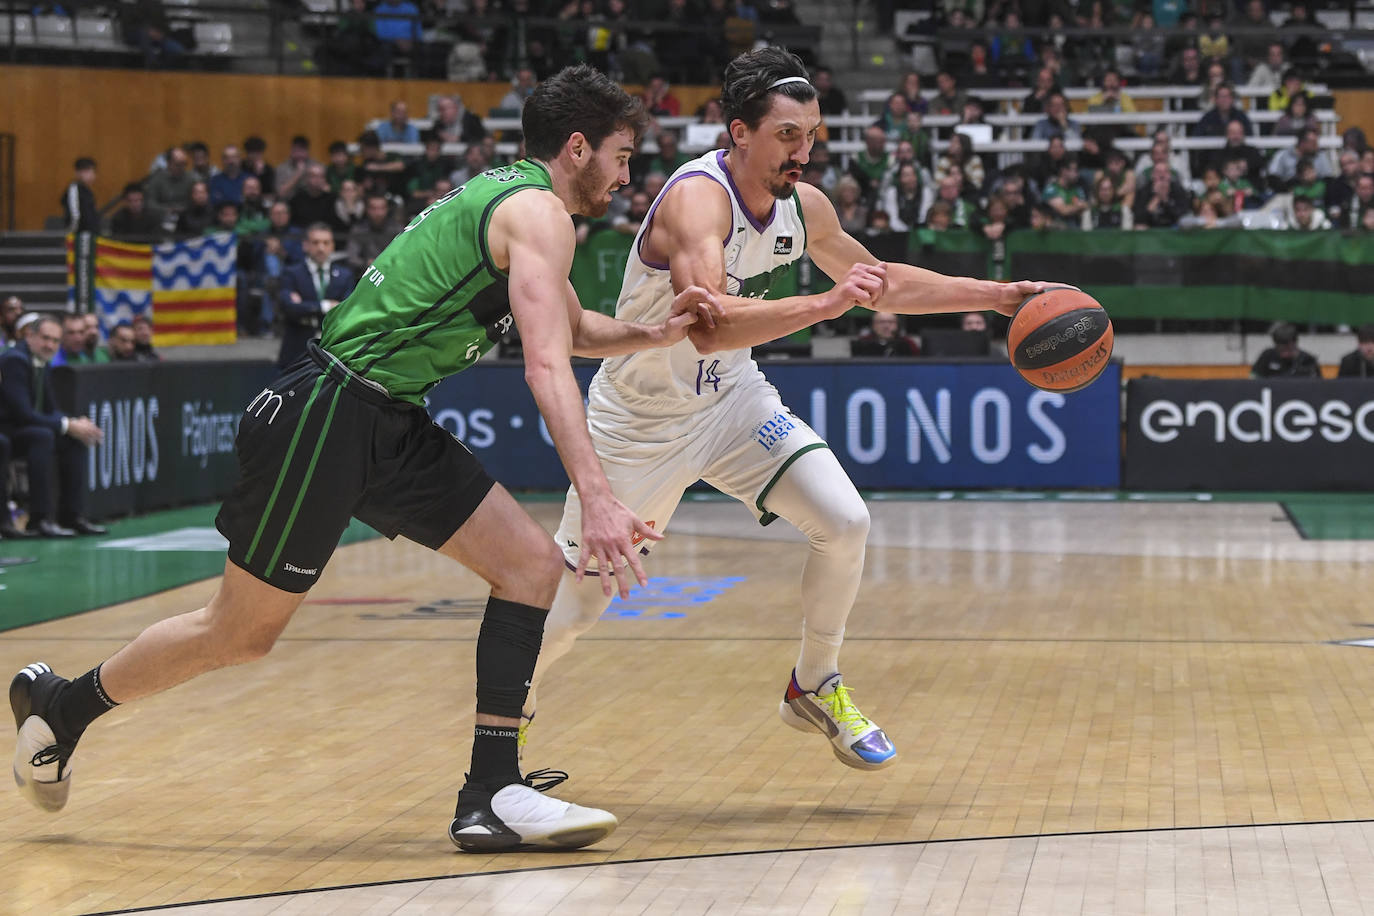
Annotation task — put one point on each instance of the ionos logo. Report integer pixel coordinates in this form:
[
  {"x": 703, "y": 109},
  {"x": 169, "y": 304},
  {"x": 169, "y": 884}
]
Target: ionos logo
[
  {"x": 205, "y": 433},
  {"x": 933, "y": 426},
  {"x": 129, "y": 452},
  {"x": 1260, "y": 419},
  {"x": 473, "y": 428}
]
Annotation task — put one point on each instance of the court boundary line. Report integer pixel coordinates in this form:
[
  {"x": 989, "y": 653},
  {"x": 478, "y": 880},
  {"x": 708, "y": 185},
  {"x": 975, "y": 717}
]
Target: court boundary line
[
  {"x": 1293, "y": 520},
  {"x": 6, "y": 637},
  {"x": 723, "y": 855}
]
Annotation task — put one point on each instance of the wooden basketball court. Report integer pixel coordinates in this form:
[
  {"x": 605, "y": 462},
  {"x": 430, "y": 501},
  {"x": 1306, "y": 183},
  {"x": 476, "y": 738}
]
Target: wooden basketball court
[{"x": 1100, "y": 707}]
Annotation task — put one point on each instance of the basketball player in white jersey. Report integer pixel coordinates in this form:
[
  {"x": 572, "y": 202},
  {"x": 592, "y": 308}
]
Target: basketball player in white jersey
[{"x": 733, "y": 221}]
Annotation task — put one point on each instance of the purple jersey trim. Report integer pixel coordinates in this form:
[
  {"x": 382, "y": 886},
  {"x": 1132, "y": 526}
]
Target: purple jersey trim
[
  {"x": 739, "y": 199},
  {"x": 649, "y": 219}
]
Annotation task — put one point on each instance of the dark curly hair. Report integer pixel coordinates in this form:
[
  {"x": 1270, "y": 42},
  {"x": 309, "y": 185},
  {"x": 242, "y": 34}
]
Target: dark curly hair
[
  {"x": 577, "y": 100},
  {"x": 745, "y": 92}
]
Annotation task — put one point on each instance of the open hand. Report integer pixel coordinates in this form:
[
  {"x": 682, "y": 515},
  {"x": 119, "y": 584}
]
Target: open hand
[
  {"x": 610, "y": 536},
  {"x": 1013, "y": 294},
  {"x": 84, "y": 431}
]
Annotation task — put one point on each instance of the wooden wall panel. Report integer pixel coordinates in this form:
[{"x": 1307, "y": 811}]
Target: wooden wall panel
[
  {"x": 124, "y": 118},
  {"x": 1356, "y": 108}
]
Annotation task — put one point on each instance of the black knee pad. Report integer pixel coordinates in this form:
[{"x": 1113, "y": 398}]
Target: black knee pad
[{"x": 507, "y": 649}]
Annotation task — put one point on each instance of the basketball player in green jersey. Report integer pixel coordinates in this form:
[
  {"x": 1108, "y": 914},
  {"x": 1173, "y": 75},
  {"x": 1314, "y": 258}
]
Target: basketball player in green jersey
[
  {"x": 343, "y": 433},
  {"x": 732, "y": 221}
]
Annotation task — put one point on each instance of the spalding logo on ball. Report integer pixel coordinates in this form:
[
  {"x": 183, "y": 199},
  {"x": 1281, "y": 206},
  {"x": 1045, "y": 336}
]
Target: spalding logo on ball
[{"x": 1060, "y": 339}]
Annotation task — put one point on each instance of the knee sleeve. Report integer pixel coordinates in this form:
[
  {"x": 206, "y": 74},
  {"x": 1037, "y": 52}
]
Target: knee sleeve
[{"x": 818, "y": 498}]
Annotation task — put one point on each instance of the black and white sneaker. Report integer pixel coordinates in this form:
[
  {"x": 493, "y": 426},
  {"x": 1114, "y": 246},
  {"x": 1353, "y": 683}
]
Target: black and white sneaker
[
  {"x": 42, "y": 766},
  {"x": 521, "y": 816}
]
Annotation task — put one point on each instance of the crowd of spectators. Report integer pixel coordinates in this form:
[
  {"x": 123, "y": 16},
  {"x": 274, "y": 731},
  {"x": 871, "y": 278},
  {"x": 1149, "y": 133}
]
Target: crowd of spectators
[
  {"x": 903, "y": 179},
  {"x": 277, "y": 212},
  {"x": 473, "y": 40},
  {"x": 1159, "y": 41},
  {"x": 907, "y": 177}
]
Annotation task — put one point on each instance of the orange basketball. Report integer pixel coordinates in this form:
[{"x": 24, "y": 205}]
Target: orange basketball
[{"x": 1060, "y": 340}]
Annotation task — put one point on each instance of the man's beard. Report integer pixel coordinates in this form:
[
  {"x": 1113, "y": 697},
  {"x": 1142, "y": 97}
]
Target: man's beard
[
  {"x": 780, "y": 187},
  {"x": 590, "y": 188}
]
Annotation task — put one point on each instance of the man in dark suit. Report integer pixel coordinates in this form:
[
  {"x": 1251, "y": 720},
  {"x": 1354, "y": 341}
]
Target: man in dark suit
[
  {"x": 39, "y": 432},
  {"x": 308, "y": 291}
]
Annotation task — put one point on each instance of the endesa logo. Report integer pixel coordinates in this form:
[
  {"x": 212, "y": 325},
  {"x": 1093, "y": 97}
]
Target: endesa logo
[{"x": 1260, "y": 419}]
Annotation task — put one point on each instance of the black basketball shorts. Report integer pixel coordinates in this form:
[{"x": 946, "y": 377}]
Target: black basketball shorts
[{"x": 319, "y": 446}]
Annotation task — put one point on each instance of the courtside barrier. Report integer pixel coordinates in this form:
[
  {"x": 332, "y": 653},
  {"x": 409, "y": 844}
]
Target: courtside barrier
[
  {"x": 169, "y": 429},
  {"x": 1249, "y": 434},
  {"x": 894, "y": 424}
]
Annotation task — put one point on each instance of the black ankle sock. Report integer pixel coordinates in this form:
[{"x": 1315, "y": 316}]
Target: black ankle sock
[
  {"x": 495, "y": 757},
  {"x": 78, "y": 705}
]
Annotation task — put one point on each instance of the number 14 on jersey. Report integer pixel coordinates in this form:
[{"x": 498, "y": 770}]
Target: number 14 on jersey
[{"x": 706, "y": 375}]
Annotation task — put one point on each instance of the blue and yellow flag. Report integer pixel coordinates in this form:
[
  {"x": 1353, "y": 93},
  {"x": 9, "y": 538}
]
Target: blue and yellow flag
[{"x": 187, "y": 288}]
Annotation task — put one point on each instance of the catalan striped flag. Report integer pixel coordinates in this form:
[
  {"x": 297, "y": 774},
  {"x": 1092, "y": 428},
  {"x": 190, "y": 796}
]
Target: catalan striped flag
[{"x": 188, "y": 288}]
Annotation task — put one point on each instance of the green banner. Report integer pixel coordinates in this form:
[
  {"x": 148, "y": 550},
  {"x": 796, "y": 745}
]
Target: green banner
[
  {"x": 957, "y": 252},
  {"x": 1325, "y": 277},
  {"x": 598, "y": 267}
]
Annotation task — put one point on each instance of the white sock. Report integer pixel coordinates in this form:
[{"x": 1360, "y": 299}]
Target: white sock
[
  {"x": 576, "y": 607},
  {"x": 816, "y": 496}
]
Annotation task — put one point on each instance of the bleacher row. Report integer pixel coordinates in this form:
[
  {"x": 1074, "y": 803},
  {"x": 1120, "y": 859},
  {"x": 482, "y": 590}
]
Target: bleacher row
[
  {"x": 1249, "y": 97},
  {"x": 845, "y": 132},
  {"x": 907, "y": 23},
  {"x": 97, "y": 34},
  {"x": 911, "y": 27}
]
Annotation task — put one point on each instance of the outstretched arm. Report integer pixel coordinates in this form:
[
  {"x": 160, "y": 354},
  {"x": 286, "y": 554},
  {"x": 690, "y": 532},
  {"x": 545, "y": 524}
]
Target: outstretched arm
[
  {"x": 689, "y": 226},
  {"x": 910, "y": 290},
  {"x": 598, "y": 335},
  {"x": 534, "y": 235}
]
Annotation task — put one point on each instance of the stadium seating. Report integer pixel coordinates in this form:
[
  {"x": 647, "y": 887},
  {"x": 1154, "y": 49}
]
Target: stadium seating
[{"x": 214, "y": 38}]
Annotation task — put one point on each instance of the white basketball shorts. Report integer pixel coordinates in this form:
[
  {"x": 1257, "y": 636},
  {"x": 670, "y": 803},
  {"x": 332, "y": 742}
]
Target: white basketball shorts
[{"x": 740, "y": 444}]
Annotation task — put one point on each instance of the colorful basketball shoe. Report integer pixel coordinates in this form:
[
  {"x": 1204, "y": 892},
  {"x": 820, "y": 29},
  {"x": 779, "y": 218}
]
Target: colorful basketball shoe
[
  {"x": 520, "y": 816},
  {"x": 42, "y": 766},
  {"x": 856, "y": 741}
]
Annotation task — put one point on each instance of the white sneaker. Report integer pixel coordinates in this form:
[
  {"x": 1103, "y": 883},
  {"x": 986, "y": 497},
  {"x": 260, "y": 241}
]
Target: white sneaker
[
  {"x": 42, "y": 767},
  {"x": 521, "y": 816}
]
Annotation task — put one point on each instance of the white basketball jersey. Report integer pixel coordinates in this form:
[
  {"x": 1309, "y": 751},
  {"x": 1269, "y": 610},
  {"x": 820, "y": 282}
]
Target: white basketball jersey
[{"x": 757, "y": 256}]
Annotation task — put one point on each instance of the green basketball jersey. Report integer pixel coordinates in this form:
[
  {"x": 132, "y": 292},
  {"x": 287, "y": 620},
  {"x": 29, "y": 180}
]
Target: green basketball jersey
[{"x": 433, "y": 302}]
